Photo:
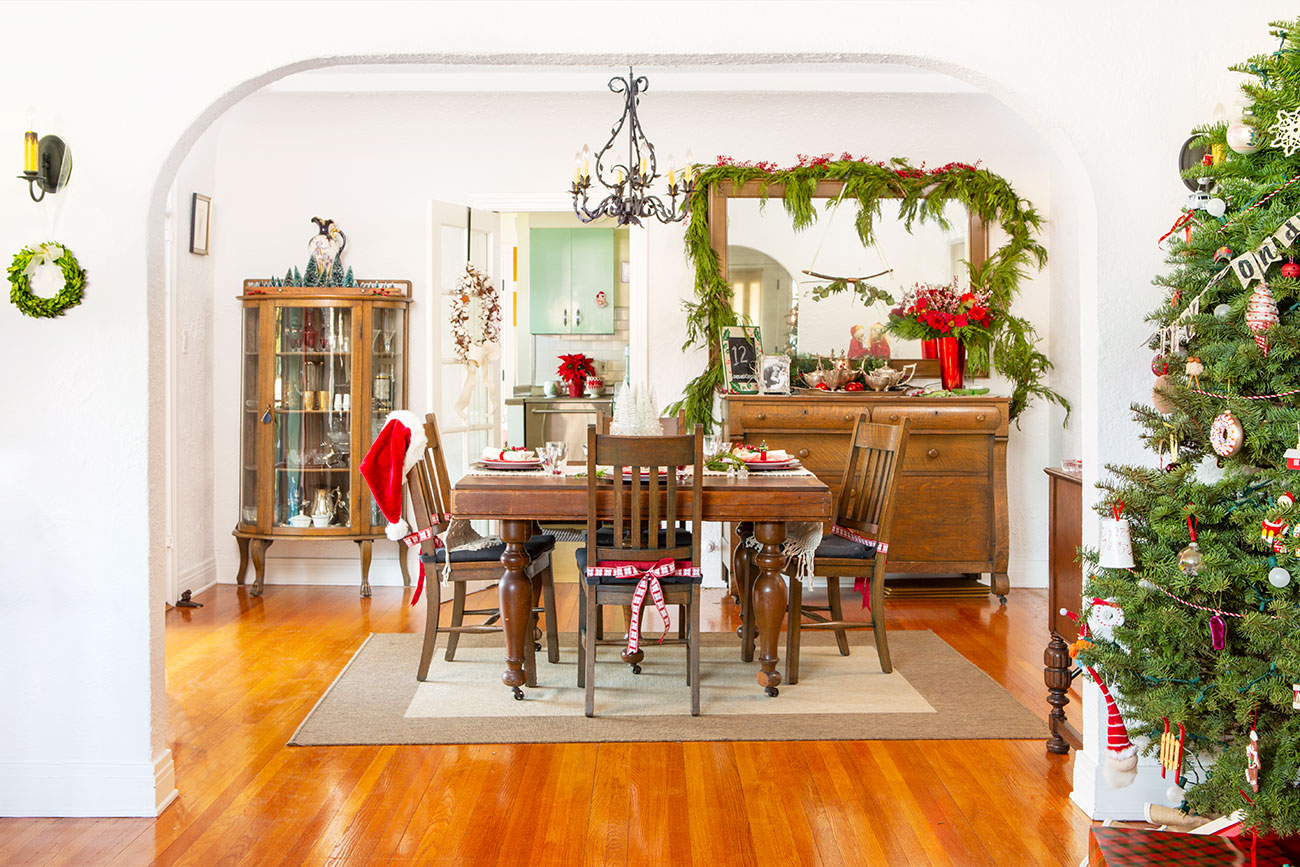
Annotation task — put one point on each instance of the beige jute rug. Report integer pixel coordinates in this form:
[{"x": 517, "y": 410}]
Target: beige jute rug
[{"x": 932, "y": 694}]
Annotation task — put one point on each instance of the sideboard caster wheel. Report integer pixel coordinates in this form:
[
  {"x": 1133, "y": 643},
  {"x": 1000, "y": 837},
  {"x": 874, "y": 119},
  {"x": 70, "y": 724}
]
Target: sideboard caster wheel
[
  {"x": 772, "y": 691},
  {"x": 740, "y": 631},
  {"x": 519, "y": 694},
  {"x": 1002, "y": 600},
  {"x": 537, "y": 645},
  {"x": 636, "y": 669}
]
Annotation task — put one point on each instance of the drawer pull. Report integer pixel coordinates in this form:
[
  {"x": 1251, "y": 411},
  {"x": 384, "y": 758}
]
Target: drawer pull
[
  {"x": 762, "y": 416},
  {"x": 934, "y": 453},
  {"x": 893, "y": 418},
  {"x": 848, "y": 416},
  {"x": 803, "y": 453},
  {"x": 980, "y": 417}
]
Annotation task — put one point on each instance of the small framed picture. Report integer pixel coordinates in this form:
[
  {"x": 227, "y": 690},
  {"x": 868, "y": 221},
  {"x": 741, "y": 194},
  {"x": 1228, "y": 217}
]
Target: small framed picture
[
  {"x": 200, "y": 224},
  {"x": 740, "y": 353},
  {"x": 775, "y": 377}
]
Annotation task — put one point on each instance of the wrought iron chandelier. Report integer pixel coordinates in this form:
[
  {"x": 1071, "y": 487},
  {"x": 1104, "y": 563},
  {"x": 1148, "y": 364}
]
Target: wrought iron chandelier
[{"x": 630, "y": 183}]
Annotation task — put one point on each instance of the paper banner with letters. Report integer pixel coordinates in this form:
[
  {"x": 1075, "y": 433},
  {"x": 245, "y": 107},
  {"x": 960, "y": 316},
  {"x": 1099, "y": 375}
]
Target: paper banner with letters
[{"x": 1254, "y": 264}]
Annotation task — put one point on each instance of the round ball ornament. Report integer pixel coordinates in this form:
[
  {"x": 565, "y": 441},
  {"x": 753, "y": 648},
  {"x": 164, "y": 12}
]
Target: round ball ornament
[
  {"x": 1291, "y": 269},
  {"x": 1190, "y": 559},
  {"x": 1242, "y": 137},
  {"x": 1226, "y": 434},
  {"x": 26, "y": 264},
  {"x": 1159, "y": 365},
  {"x": 1216, "y": 207},
  {"x": 1158, "y": 399},
  {"x": 1175, "y": 794},
  {"x": 1279, "y": 577},
  {"x": 1261, "y": 315},
  {"x": 1222, "y": 311}
]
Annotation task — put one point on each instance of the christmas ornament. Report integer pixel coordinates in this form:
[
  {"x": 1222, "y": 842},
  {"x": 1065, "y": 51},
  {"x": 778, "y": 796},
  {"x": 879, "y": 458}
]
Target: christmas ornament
[
  {"x": 1194, "y": 369},
  {"x": 1158, "y": 399},
  {"x": 602, "y": 300},
  {"x": 1116, "y": 545},
  {"x": 1159, "y": 365},
  {"x": 1175, "y": 794},
  {"x": 1291, "y": 269},
  {"x": 1120, "y": 767},
  {"x": 1295, "y": 696},
  {"x": 1271, "y": 529},
  {"x": 1226, "y": 434},
  {"x": 1216, "y": 207},
  {"x": 1171, "y": 750},
  {"x": 1261, "y": 315},
  {"x": 1190, "y": 559},
  {"x": 1224, "y": 252},
  {"x": 1286, "y": 499},
  {"x": 1218, "y": 632},
  {"x": 1286, "y": 132},
  {"x": 1277, "y": 576},
  {"x": 1252, "y": 761},
  {"x": 1292, "y": 456},
  {"x": 1242, "y": 138},
  {"x": 1223, "y": 311}
]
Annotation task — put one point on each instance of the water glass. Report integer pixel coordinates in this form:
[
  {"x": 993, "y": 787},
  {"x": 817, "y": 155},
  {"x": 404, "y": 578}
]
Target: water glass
[
  {"x": 712, "y": 445},
  {"x": 555, "y": 456}
]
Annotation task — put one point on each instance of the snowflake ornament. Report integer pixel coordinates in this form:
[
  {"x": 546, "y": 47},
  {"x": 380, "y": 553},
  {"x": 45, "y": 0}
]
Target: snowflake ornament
[{"x": 1286, "y": 132}]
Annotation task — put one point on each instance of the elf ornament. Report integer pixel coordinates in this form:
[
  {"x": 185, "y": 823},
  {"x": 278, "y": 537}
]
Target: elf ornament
[
  {"x": 1261, "y": 315},
  {"x": 1226, "y": 434},
  {"x": 399, "y": 447}
]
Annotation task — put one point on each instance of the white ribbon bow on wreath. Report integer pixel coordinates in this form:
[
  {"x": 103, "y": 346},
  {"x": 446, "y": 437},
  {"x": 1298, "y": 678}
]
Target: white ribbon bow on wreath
[{"x": 42, "y": 254}]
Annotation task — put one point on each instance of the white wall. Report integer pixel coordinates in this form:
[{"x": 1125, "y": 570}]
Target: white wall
[{"x": 1113, "y": 89}]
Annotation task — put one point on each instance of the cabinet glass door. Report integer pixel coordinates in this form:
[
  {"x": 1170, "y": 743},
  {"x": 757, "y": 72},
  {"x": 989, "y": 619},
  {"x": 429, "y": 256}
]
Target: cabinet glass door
[
  {"x": 250, "y": 420},
  {"x": 387, "y": 379},
  {"x": 311, "y": 456}
]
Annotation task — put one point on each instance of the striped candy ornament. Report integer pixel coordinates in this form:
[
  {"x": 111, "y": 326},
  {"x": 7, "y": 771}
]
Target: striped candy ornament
[{"x": 1261, "y": 315}]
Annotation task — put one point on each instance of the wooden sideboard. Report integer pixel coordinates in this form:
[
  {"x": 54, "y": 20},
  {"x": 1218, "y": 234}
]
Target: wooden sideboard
[{"x": 952, "y": 512}]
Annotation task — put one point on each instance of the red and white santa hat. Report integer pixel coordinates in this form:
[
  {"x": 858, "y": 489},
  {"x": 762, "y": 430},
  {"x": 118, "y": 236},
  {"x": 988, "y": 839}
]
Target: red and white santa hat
[
  {"x": 1120, "y": 766},
  {"x": 397, "y": 449}
]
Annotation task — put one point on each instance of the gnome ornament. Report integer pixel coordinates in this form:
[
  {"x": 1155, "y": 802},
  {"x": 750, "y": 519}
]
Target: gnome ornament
[
  {"x": 1261, "y": 315},
  {"x": 1120, "y": 766},
  {"x": 398, "y": 448}
]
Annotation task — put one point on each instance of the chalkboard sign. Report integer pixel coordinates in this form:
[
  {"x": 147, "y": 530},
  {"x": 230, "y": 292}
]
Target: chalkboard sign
[{"x": 741, "y": 354}]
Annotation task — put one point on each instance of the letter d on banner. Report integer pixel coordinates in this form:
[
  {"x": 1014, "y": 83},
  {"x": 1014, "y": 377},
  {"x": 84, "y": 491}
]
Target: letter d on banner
[
  {"x": 1268, "y": 253},
  {"x": 1248, "y": 269},
  {"x": 1289, "y": 232}
]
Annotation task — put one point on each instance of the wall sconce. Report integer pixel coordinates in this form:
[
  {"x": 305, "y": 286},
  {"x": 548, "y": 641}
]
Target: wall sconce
[{"x": 47, "y": 163}]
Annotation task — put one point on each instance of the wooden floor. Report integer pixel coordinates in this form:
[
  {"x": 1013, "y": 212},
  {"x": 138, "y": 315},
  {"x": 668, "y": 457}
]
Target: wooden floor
[{"x": 243, "y": 672}]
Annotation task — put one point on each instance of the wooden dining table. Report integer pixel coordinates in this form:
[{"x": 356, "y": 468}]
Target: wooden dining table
[{"x": 519, "y": 499}]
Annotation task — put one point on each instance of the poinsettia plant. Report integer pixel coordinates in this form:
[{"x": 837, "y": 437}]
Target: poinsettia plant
[
  {"x": 575, "y": 368},
  {"x": 928, "y": 311}
]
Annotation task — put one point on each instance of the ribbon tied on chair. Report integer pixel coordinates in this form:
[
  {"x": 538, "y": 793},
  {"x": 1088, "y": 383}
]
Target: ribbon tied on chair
[
  {"x": 860, "y": 584},
  {"x": 647, "y": 580},
  {"x": 415, "y": 539}
]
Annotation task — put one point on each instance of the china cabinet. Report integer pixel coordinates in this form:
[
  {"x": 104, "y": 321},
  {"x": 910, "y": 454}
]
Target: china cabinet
[
  {"x": 571, "y": 281},
  {"x": 321, "y": 368}
]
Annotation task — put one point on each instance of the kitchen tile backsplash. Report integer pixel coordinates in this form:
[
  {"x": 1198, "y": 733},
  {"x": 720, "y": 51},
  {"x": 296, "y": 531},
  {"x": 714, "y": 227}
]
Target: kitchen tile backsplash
[{"x": 607, "y": 351}]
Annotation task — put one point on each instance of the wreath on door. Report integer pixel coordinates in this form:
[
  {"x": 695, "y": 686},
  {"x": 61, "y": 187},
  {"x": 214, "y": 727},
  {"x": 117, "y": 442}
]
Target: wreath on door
[
  {"x": 25, "y": 265},
  {"x": 486, "y": 327}
]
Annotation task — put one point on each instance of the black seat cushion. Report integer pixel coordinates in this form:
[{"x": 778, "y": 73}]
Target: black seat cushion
[
  {"x": 536, "y": 546},
  {"x": 839, "y": 548},
  {"x": 581, "y": 556}
]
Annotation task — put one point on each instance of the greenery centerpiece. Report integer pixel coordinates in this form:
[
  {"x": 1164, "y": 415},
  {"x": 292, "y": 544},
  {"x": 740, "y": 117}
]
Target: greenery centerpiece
[{"x": 921, "y": 194}]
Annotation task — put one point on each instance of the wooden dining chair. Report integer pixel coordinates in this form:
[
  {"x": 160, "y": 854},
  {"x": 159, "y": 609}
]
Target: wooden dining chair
[
  {"x": 642, "y": 546},
  {"x": 855, "y": 546},
  {"x": 431, "y": 503}
]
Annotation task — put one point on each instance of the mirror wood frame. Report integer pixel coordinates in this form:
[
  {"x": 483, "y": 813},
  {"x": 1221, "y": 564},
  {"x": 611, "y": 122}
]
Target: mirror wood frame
[{"x": 977, "y": 239}]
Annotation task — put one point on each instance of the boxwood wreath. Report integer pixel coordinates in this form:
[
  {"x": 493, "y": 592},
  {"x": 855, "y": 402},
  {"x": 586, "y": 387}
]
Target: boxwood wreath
[
  {"x": 922, "y": 195},
  {"x": 20, "y": 292}
]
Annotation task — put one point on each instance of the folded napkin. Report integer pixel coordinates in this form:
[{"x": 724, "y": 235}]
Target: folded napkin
[
  {"x": 771, "y": 455},
  {"x": 517, "y": 454}
]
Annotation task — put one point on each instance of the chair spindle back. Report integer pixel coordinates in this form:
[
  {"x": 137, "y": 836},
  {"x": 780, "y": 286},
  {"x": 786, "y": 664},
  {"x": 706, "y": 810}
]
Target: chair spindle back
[{"x": 866, "y": 501}]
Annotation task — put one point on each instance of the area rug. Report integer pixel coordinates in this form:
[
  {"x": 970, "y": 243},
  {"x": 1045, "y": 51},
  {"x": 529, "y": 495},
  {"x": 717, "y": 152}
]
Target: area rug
[{"x": 932, "y": 694}]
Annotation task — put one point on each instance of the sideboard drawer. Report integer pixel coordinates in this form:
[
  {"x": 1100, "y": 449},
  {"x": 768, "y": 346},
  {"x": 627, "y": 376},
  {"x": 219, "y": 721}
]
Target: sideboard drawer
[
  {"x": 788, "y": 414},
  {"x": 949, "y": 454},
  {"x": 941, "y": 418}
]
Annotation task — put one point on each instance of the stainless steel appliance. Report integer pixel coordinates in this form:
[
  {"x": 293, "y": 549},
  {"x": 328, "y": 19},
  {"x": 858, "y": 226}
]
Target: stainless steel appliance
[{"x": 547, "y": 419}]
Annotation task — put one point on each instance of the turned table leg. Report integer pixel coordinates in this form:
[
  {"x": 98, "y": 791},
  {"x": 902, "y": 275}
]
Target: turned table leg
[
  {"x": 769, "y": 601},
  {"x": 243, "y": 558},
  {"x": 516, "y": 595},
  {"x": 1056, "y": 675},
  {"x": 258, "y": 550},
  {"x": 366, "y": 546}
]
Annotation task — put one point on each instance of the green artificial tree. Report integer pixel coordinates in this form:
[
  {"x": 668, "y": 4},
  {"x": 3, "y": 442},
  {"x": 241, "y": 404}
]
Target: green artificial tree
[
  {"x": 312, "y": 276},
  {"x": 1215, "y": 646},
  {"x": 336, "y": 274}
]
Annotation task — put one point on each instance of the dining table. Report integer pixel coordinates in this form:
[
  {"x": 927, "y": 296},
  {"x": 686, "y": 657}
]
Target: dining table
[{"x": 517, "y": 500}]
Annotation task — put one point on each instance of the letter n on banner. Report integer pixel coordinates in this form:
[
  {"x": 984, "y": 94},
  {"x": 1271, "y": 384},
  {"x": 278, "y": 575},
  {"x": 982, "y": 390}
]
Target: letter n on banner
[
  {"x": 1268, "y": 253},
  {"x": 1248, "y": 269},
  {"x": 1289, "y": 233}
]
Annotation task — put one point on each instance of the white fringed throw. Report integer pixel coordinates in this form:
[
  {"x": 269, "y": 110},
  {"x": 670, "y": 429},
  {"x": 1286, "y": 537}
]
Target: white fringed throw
[{"x": 799, "y": 547}]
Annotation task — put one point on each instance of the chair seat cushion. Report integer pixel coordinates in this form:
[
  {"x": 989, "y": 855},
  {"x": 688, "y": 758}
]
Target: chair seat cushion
[
  {"x": 536, "y": 546},
  {"x": 581, "y": 556},
  {"x": 834, "y": 547}
]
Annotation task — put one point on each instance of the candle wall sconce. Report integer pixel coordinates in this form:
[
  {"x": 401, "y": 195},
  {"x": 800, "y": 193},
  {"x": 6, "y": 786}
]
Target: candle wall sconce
[{"x": 47, "y": 164}]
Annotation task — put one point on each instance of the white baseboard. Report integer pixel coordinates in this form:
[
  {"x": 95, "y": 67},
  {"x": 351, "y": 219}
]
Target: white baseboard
[
  {"x": 329, "y": 571},
  {"x": 1027, "y": 573},
  {"x": 198, "y": 577},
  {"x": 87, "y": 789}
]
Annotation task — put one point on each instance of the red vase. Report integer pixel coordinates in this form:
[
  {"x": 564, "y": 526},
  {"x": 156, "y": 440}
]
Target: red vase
[
  {"x": 930, "y": 348},
  {"x": 952, "y": 362},
  {"x": 576, "y": 387}
]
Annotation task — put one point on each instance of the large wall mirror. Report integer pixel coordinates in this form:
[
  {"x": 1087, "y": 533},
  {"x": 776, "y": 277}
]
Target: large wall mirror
[{"x": 764, "y": 259}]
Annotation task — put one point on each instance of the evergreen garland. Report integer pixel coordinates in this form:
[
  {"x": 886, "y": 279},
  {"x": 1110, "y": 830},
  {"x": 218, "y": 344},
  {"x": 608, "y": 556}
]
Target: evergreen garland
[
  {"x": 1162, "y": 659},
  {"x": 921, "y": 195}
]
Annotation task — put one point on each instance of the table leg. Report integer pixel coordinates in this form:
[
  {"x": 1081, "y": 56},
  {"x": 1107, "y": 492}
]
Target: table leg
[
  {"x": 769, "y": 601},
  {"x": 516, "y": 595}
]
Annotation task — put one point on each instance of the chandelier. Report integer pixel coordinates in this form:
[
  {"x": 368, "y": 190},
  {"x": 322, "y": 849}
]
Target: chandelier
[{"x": 630, "y": 197}]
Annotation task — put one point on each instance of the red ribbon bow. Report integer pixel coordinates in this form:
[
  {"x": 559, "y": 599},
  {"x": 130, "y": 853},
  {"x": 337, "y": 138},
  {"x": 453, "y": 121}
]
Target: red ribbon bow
[{"x": 647, "y": 579}]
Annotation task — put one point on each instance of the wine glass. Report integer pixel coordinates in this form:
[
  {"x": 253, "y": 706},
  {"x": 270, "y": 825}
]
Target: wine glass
[
  {"x": 557, "y": 454},
  {"x": 712, "y": 445}
]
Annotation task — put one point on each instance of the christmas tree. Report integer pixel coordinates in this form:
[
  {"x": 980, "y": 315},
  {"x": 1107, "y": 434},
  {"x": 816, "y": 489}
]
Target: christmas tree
[{"x": 1201, "y": 639}]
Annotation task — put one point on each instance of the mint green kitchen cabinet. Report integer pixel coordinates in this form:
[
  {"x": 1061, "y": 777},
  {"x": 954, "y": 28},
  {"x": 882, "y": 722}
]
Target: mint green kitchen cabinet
[{"x": 571, "y": 281}]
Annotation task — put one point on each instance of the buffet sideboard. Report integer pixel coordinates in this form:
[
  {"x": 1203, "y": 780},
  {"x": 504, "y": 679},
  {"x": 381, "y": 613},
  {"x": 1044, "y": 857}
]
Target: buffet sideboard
[{"x": 952, "y": 506}]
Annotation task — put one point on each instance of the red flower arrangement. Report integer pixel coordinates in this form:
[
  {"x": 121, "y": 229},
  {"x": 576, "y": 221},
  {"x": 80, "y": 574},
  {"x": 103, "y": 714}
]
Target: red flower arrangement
[
  {"x": 575, "y": 368},
  {"x": 928, "y": 311}
]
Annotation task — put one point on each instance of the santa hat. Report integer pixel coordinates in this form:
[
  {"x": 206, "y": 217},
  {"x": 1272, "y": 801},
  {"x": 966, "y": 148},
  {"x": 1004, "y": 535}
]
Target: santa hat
[
  {"x": 1120, "y": 766},
  {"x": 398, "y": 448}
]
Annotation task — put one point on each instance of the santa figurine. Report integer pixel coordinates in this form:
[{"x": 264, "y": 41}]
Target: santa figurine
[
  {"x": 398, "y": 448},
  {"x": 1252, "y": 761}
]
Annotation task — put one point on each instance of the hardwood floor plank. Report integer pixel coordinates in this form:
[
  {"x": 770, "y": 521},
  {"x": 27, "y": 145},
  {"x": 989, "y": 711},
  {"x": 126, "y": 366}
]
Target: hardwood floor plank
[{"x": 243, "y": 672}]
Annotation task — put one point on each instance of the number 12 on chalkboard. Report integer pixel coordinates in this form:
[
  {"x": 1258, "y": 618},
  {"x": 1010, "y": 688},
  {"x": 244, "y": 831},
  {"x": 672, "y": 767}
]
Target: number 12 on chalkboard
[{"x": 741, "y": 351}]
